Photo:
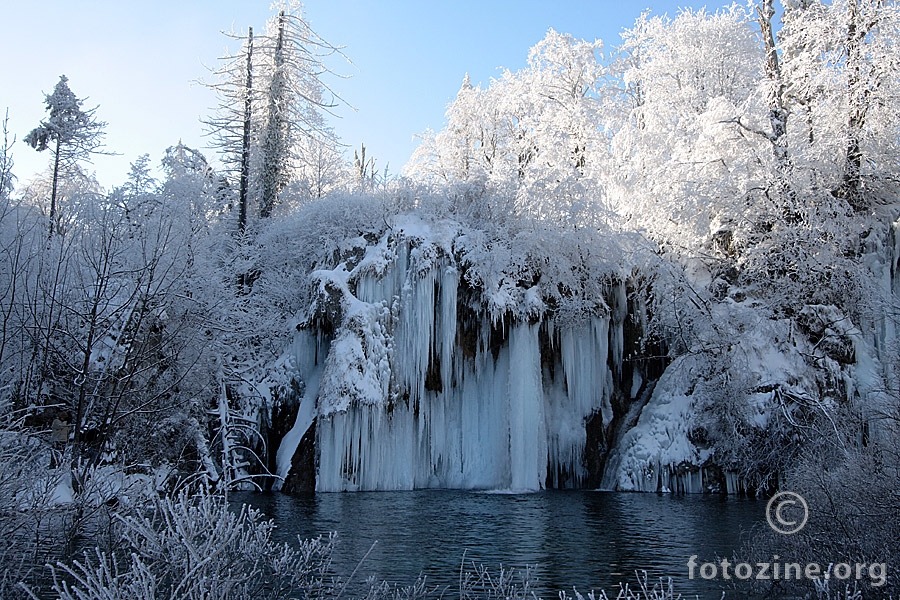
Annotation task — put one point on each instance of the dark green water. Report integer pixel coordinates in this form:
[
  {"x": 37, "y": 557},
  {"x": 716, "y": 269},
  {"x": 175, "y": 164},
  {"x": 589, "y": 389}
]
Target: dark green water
[{"x": 582, "y": 539}]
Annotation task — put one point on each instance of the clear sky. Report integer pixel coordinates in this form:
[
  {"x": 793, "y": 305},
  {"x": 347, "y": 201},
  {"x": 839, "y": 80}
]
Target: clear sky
[{"x": 140, "y": 62}]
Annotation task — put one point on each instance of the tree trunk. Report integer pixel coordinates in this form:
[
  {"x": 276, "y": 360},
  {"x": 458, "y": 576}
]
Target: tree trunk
[
  {"x": 851, "y": 187},
  {"x": 55, "y": 186},
  {"x": 778, "y": 114},
  {"x": 245, "y": 142},
  {"x": 274, "y": 150}
]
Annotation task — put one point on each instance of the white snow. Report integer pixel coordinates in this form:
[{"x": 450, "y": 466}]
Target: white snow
[{"x": 657, "y": 454}]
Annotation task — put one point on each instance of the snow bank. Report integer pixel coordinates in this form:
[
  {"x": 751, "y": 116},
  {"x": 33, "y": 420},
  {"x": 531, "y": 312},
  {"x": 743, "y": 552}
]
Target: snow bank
[{"x": 745, "y": 356}]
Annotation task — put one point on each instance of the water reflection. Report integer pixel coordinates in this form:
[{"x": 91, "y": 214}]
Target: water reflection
[{"x": 586, "y": 540}]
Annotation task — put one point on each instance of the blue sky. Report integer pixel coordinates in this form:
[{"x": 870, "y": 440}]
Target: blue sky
[{"x": 140, "y": 61}]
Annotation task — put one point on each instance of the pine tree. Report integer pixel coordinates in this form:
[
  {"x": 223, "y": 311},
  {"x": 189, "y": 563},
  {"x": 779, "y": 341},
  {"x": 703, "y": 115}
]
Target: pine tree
[{"x": 71, "y": 133}]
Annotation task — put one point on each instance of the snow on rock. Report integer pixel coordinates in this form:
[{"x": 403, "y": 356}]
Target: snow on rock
[
  {"x": 448, "y": 356},
  {"x": 360, "y": 355},
  {"x": 747, "y": 356},
  {"x": 436, "y": 354},
  {"x": 658, "y": 444},
  {"x": 62, "y": 491}
]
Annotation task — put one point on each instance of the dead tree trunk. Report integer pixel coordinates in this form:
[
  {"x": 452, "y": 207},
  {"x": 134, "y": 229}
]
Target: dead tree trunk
[{"x": 245, "y": 141}]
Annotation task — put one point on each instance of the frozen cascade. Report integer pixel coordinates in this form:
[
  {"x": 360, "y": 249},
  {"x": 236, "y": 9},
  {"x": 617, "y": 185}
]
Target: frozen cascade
[
  {"x": 587, "y": 390},
  {"x": 734, "y": 484},
  {"x": 447, "y": 335},
  {"x": 415, "y": 335},
  {"x": 457, "y": 440},
  {"x": 410, "y": 400},
  {"x": 433, "y": 379},
  {"x": 619, "y": 312},
  {"x": 304, "y": 355}
]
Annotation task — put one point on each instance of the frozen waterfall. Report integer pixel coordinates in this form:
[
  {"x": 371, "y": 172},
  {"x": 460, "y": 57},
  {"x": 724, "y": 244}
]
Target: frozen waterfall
[{"x": 423, "y": 389}]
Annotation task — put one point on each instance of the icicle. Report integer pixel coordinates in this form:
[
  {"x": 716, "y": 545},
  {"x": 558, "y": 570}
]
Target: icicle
[
  {"x": 619, "y": 311},
  {"x": 527, "y": 435},
  {"x": 414, "y": 337},
  {"x": 495, "y": 421},
  {"x": 460, "y": 440},
  {"x": 449, "y": 288},
  {"x": 588, "y": 387},
  {"x": 733, "y": 483}
]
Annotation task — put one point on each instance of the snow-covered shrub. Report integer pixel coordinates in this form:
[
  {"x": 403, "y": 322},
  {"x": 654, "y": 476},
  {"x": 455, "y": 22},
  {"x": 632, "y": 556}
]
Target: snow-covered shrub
[
  {"x": 477, "y": 582},
  {"x": 853, "y": 499},
  {"x": 193, "y": 547},
  {"x": 644, "y": 590},
  {"x": 32, "y": 525}
]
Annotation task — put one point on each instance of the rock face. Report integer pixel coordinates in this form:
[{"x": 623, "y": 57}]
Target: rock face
[{"x": 302, "y": 475}]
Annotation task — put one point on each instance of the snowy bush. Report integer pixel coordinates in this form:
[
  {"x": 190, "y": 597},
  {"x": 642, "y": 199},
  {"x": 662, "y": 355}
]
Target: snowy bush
[
  {"x": 27, "y": 494},
  {"x": 477, "y": 582},
  {"x": 853, "y": 500},
  {"x": 193, "y": 547}
]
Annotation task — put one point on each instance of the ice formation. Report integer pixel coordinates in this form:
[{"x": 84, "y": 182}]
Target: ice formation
[
  {"x": 419, "y": 373},
  {"x": 412, "y": 393}
]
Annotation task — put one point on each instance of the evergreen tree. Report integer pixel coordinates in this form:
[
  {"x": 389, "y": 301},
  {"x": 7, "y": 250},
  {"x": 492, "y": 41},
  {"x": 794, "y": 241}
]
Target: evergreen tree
[{"x": 71, "y": 133}]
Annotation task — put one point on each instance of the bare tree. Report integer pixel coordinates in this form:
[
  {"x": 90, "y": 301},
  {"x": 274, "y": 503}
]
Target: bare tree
[{"x": 271, "y": 96}]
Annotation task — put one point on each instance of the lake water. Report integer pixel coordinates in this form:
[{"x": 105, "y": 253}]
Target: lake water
[{"x": 582, "y": 539}]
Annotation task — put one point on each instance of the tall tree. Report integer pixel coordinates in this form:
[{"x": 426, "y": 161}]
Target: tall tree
[
  {"x": 6, "y": 161},
  {"x": 292, "y": 65},
  {"x": 867, "y": 23},
  {"x": 839, "y": 61},
  {"x": 679, "y": 167},
  {"x": 269, "y": 121},
  {"x": 71, "y": 133},
  {"x": 276, "y": 154},
  {"x": 778, "y": 113},
  {"x": 233, "y": 126},
  {"x": 245, "y": 133}
]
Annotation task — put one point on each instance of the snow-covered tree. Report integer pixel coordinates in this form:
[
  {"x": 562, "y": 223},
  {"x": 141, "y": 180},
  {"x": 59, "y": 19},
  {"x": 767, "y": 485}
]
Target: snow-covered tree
[
  {"x": 270, "y": 124},
  {"x": 679, "y": 166},
  {"x": 233, "y": 124},
  {"x": 6, "y": 161},
  {"x": 533, "y": 134},
  {"x": 839, "y": 62},
  {"x": 71, "y": 133},
  {"x": 320, "y": 168}
]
